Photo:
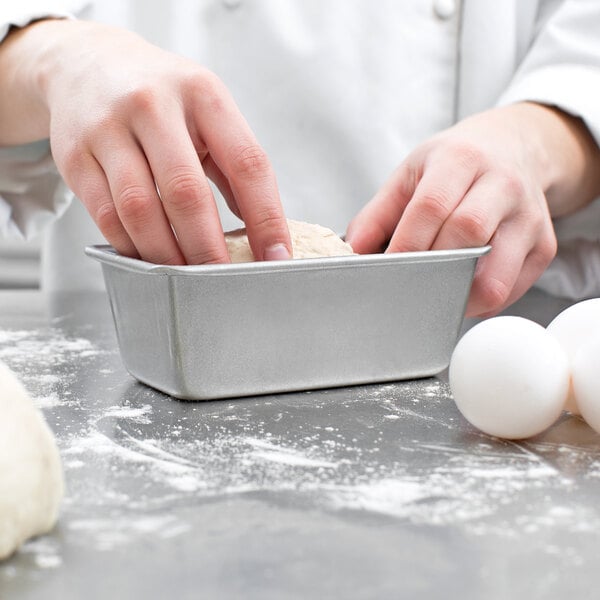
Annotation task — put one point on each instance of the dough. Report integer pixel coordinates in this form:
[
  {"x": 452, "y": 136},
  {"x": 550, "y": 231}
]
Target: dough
[
  {"x": 31, "y": 480},
  {"x": 308, "y": 241}
]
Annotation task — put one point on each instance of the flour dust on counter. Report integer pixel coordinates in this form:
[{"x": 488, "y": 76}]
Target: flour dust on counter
[
  {"x": 143, "y": 470},
  {"x": 150, "y": 455},
  {"x": 38, "y": 355}
]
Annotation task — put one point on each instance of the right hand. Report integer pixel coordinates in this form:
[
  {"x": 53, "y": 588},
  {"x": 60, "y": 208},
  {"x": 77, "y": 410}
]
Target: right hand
[{"x": 137, "y": 131}]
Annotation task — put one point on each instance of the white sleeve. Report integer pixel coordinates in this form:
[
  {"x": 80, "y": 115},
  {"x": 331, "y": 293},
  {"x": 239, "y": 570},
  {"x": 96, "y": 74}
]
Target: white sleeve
[
  {"x": 562, "y": 66},
  {"x": 32, "y": 193},
  {"x": 23, "y": 12},
  {"x": 575, "y": 271}
]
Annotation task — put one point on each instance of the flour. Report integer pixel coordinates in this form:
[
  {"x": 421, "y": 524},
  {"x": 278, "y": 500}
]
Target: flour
[
  {"x": 233, "y": 455},
  {"x": 459, "y": 493},
  {"x": 113, "y": 532},
  {"x": 139, "y": 414},
  {"x": 37, "y": 356},
  {"x": 135, "y": 460},
  {"x": 20, "y": 345},
  {"x": 50, "y": 401},
  {"x": 288, "y": 456},
  {"x": 45, "y": 552}
]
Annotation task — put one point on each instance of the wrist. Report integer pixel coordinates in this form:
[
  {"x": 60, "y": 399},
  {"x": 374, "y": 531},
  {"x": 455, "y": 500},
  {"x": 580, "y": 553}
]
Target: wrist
[
  {"x": 47, "y": 53},
  {"x": 24, "y": 111},
  {"x": 562, "y": 155}
]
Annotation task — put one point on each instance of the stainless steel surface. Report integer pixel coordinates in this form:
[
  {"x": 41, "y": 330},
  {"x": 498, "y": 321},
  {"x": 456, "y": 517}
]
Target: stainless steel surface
[
  {"x": 219, "y": 331},
  {"x": 379, "y": 491}
]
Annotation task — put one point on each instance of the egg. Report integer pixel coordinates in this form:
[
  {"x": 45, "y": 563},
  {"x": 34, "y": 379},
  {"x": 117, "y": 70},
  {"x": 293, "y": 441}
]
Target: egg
[
  {"x": 509, "y": 377},
  {"x": 573, "y": 327},
  {"x": 585, "y": 374}
]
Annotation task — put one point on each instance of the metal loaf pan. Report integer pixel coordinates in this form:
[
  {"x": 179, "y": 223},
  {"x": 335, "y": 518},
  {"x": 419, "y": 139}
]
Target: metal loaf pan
[{"x": 217, "y": 331}]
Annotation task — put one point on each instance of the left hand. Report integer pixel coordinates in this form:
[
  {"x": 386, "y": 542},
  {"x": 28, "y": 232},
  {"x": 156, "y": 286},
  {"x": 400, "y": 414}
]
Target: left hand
[{"x": 482, "y": 181}]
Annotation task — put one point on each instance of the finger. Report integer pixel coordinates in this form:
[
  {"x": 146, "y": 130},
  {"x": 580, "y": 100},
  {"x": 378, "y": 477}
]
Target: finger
[
  {"x": 440, "y": 190},
  {"x": 534, "y": 265},
  {"x": 371, "y": 229},
  {"x": 523, "y": 243},
  {"x": 497, "y": 273},
  {"x": 476, "y": 218},
  {"x": 216, "y": 176},
  {"x": 137, "y": 202},
  {"x": 244, "y": 163},
  {"x": 94, "y": 191},
  {"x": 184, "y": 189}
]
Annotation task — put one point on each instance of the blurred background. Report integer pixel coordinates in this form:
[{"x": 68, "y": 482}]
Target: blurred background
[{"x": 19, "y": 264}]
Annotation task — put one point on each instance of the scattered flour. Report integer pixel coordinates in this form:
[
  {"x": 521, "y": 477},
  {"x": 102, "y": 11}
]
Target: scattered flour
[
  {"x": 45, "y": 552},
  {"x": 450, "y": 485},
  {"x": 50, "y": 401},
  {"x": 116, "y": 531},
  {"x": 42, "y": 358},
  {"x": 128, "y": 465},
  {"x": 288, "y": 456}
]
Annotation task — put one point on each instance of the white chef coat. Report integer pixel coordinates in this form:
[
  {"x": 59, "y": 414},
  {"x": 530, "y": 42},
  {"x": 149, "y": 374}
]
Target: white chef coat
[{"x": 338, "y": 92}]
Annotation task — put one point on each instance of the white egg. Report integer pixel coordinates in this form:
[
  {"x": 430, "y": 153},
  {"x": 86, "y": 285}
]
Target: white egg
[
  {"x": 509, "y": 377},
  {"x": 585, "y": 374},
  {"x": 574, "y": 327}
]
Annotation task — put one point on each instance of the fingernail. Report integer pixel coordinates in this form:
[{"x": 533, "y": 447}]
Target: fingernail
[{"x": 277, "y": 252}]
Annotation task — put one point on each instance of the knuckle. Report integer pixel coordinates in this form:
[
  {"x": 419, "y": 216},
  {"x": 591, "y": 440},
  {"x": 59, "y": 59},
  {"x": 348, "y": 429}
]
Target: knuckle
[
  {"x": 183, "y": 191},
  {"x": 250, "y": 161},
  {"x": 471, "y": 227},
  {"x": 434, "y": 205},
  {"x": 492, "y": 294},
  {"x": 208, "y": 88},
  {"x": 468, "y": 155},
  {"x": 133, "y": 203},
  {"x": 107, "y": 219},
  {"x": 513, "y": 186},
  {"x": 268, "y": 219},
  {"x": 143, "y": 99}
]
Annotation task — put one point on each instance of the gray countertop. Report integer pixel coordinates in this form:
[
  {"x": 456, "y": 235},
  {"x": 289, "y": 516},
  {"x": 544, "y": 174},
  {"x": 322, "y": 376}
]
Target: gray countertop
[{"x": 381, "y": 491}]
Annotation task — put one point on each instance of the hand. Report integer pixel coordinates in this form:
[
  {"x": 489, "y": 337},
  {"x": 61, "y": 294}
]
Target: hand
[
  {"x": 136, "y": 131},
  {"x": 487, "y": 180}
]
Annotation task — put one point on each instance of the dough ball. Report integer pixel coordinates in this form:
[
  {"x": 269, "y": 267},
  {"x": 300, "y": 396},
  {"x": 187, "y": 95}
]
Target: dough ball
[
  {"x": 573, "y": 328},
  {"x": 308, "y": 241},
  {"x": 31, "y": 480},
  {"x": 509, "y": 377},
  {"x": 585, "y": 373}
]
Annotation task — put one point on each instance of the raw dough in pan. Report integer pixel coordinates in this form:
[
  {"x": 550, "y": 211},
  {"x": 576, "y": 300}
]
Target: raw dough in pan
[{"x": 308, "y": 241}]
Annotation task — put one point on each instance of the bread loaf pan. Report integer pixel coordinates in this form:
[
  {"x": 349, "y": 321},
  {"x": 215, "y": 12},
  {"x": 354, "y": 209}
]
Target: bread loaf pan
[{"x": 221, "y": 331}]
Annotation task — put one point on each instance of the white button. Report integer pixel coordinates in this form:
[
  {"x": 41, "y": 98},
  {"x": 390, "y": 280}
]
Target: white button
[{"x": 444, "y": 9}]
